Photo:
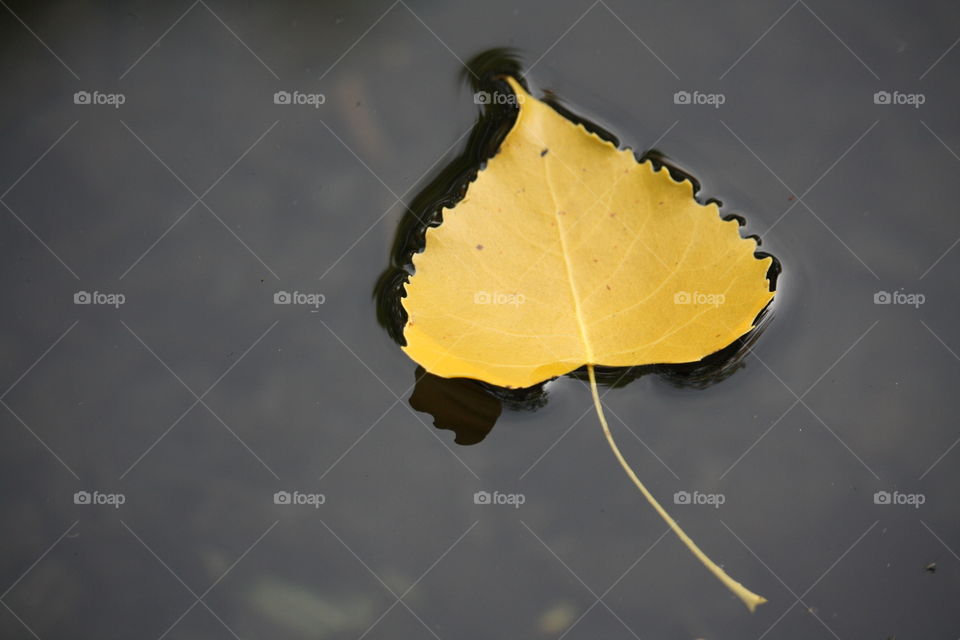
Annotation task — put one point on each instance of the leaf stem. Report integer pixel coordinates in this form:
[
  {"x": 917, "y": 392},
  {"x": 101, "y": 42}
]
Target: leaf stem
[{"x": 749, "y": 598}]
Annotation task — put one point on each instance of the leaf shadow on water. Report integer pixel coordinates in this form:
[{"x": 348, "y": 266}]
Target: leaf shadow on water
[{"x": 470, "y": 408}]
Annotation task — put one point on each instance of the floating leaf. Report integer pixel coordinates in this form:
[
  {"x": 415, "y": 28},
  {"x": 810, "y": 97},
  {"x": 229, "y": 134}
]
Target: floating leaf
[{"x": 564, "y": 252}]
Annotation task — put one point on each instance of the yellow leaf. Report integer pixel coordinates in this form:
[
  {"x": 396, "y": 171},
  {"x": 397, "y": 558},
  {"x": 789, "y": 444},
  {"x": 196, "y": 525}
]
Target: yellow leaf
[{"x": 564, "y": 252}]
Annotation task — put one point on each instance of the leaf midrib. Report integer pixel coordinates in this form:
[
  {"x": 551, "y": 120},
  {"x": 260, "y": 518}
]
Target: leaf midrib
[{"x": 574, "y": 293}]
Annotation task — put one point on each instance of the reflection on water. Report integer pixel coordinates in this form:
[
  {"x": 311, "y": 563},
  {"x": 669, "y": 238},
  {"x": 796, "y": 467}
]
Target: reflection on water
[
  {"x": 303, "y": 611},
  {"x": 463, "y": 406}
]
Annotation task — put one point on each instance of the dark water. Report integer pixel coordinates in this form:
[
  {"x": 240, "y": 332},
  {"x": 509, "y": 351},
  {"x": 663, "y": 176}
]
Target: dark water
[{"x": 198, "y": 398}]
